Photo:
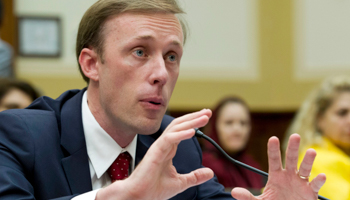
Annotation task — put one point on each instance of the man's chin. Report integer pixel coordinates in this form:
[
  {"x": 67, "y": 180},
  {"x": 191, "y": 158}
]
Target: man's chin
[{"x": 150, "y": 127}]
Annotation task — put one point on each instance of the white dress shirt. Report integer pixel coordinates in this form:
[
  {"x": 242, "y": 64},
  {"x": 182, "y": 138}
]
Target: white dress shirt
[{"x": 102, "y": 150}]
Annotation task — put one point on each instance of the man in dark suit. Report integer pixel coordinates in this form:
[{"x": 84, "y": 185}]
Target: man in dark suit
[{"x": 129, "y": 52}]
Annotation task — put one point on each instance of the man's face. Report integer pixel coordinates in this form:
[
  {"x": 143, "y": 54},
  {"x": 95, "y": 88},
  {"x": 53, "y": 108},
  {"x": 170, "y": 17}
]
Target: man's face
[{"x": 141, "y": 56}]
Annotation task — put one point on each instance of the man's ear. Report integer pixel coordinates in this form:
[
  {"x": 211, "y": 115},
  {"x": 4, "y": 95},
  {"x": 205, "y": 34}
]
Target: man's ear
[{"x": 89, "y": 64}]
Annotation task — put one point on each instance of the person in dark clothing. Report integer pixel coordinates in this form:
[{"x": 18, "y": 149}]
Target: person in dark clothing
[
  {"x": 230, "y": 127},
  {"x": 16, "y": 94}
]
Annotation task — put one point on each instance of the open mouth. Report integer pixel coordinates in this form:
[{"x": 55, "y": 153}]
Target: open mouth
[{"x": 154, "y": 103}]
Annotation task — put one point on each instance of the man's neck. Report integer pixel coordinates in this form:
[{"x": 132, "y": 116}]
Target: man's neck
[
  {"x": 119, "y": 136},
  {"x": 118, "y": 133}
]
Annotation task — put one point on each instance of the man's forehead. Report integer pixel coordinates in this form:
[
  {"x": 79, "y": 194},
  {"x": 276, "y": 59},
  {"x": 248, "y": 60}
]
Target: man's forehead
[
  {"x": 139, "y": 23},
  {"x": 151, "y": 37}
]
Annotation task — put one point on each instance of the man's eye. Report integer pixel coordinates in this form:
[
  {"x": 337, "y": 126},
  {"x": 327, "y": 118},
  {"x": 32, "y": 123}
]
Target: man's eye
[
  {"x": 140, "y": 52},
  {"x": 172, "y": 58}
]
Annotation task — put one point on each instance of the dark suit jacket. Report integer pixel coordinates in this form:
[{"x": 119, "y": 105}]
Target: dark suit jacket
[{"x": 43, "y": 153}]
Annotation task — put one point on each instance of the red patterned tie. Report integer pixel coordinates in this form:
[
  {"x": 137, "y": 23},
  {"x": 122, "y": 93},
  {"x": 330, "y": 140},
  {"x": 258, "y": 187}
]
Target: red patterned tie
[{"x": 119, "y": 169}]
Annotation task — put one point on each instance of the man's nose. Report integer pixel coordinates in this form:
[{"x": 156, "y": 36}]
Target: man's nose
[{"x": 159, "y": 74}]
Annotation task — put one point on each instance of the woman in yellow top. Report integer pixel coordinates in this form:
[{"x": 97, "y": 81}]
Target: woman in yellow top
[{"x": 323, "y": 123}]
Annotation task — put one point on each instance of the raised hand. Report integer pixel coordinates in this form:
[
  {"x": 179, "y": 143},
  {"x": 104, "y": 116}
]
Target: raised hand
[
  {"x": 155, "y": 177},
  {"x": 288, "y": 183}
]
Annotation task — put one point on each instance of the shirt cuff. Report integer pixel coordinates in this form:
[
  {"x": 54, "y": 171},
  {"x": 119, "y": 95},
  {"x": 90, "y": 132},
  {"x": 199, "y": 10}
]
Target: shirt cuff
[{"x": 87, "y": 196}]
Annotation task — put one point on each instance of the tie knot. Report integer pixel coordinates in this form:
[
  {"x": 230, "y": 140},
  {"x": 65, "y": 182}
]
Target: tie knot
[
  {"x": 119, "y": 169},
  {"x": 125, "y": 155}
]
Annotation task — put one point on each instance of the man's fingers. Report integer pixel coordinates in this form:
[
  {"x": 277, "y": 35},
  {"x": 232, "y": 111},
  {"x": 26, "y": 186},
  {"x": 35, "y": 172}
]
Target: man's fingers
[
  {"x": 191, "y": 124},
  {"x": 274, "y": 154},
  {"x": 184, "y": 131},
  {"x": 318, "y": 182},
  {"x": 306, "y": 164},
  {"x": 292, "y": 153},
  {"x": 175, "y": 124},
  {"x": 196, "y": 177},
  {"x": 166, "y": 144},
  {"x": 242, "y": 194}
]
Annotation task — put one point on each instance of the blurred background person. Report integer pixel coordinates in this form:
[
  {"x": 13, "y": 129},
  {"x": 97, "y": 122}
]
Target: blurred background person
[
  {"x": 16, "y": 94},
  {"x": 230, "y": 127},
  {"x": 323, "y": 123},
  {"x": 6, "y": 51}
]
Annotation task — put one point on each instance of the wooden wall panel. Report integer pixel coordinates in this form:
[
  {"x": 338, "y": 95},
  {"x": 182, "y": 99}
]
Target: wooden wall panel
[{"x": 8, "y": 29}]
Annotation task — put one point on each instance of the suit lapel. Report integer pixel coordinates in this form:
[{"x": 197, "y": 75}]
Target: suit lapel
[
  {"x": 76, "y": 163},
  {"x": 145, "y": 141},
  {"x": 141, "y": 149},
  {"x": 143, "y": 144}
]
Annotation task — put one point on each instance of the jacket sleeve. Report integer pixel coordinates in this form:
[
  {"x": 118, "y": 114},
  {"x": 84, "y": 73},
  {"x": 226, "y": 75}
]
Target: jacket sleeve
[{"x": 17, "y": 157}]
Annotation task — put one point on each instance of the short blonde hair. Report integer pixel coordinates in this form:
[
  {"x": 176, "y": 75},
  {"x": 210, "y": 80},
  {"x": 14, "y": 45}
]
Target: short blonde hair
[
  {"x": 315, "y": 105},
  {"x": 90, "y": 32}
]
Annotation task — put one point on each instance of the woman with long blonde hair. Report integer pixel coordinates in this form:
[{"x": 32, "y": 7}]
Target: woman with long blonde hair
[{"x": 323, "y": 123}]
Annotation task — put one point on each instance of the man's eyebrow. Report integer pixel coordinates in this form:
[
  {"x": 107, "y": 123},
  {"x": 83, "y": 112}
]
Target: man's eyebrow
[
  {"x": 176, "y": 43},
  {"x": 145, "y": 37},
  {"x": 150, "y": 37}
]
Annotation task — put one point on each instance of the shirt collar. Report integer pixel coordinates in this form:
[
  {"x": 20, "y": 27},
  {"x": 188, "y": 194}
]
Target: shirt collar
[{"x": 101, "y": 147}]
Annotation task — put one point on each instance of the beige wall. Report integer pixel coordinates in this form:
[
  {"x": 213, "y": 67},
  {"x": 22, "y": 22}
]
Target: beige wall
[{"x": 275, "y": 89}]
